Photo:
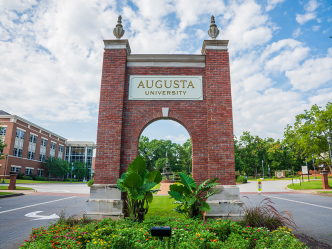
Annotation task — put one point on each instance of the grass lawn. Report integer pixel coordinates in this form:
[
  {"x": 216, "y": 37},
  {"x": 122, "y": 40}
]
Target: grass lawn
[
  {"x": 308, "y": 185},
  {"x": 157, "y": 186},
  {"x": 17, "y": 188},
  {"x": 162, "y": 206},
  {"x": 34, "y": 182},
  {"x": 6, "y": 193},
  {"x": 326, "y": 192}
]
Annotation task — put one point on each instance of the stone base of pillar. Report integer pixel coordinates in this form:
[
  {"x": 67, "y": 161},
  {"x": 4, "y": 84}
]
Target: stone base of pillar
[
  {"x": 225, "y": 203},
  {"x": 325, "y": 180},
  {"x": 105, "y": 202}
]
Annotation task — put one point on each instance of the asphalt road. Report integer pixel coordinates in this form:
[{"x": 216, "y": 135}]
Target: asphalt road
[
  {"x": 15, "y": 226},
  {"x": 312, "y": 213},
  {"x": 81, "y": 188}
]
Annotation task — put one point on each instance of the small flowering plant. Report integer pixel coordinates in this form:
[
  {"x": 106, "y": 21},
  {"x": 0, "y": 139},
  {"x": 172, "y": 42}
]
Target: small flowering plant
[{"x": 186, "y": 233}]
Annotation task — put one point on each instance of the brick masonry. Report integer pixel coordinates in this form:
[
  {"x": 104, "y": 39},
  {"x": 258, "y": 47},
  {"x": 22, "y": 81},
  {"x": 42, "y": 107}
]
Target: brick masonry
[{"x": 209, "y": 122}]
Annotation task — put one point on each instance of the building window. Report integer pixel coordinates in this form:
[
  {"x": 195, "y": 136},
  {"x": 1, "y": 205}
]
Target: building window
[
  {"x": 31, "y": 155},
  {"x": 33, "y": 139},
  {"x": 28, "y": 171},
  {"x": 53, "y": 145},
  {"x": 15, "y": 169},
  {"x": 17, "y": 152},
  {"x": 3, "y": 131},
  {"x": 60, "y": 148},
  {"x": 43, "y": 142},
  {"x": 40, "y": 173},
  {"x": 20, "y": 134},
  {"x": 41, "y": 158}
]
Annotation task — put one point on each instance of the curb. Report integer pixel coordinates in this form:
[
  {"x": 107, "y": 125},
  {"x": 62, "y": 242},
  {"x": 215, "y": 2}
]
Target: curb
[{"x": 12, "y": 195}]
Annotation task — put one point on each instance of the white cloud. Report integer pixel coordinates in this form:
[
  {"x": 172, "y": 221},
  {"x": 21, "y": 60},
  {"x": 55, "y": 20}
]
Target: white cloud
[
  {"x": 297, "y": 32},
  {"x": 323, "y": 96},
  {"x": 302, "y": 19},
  {"x": 178, "y": 139},
  {"x": 315, "y": 28},
  {"x": 310, "y": 7},
  {"x": 271, "y": 4},
  {"x": 312, "y": 74}
]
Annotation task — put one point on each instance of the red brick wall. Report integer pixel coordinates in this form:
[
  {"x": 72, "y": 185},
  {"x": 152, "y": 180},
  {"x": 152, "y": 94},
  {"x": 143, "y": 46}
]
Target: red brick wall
[{"x": 209, "y": 122}]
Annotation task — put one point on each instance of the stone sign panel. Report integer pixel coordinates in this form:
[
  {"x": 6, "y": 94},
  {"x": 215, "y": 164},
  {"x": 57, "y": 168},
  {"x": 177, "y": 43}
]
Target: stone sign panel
[{"x": 160, "y": 87}]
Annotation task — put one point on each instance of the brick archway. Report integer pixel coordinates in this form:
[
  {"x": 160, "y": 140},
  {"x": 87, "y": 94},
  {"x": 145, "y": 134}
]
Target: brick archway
[
  {"x": 156, "y": 116},
  {"x": 208, "y": 120}
]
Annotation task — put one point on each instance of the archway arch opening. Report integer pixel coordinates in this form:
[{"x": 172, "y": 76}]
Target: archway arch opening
[{"x": 161, "y": 135}]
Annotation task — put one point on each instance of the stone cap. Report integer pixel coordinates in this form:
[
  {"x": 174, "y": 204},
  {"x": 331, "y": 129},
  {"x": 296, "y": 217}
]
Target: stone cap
[
  {"x": 117, "y": 44},
  {"x": 214, "y": 45}
]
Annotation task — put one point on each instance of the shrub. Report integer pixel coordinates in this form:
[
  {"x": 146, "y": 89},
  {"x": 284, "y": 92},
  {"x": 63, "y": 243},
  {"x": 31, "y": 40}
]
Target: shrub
[
  {"x": 186, "y": 233},
  {"x": 40, "y": 178},
  {"x": 91, "y": 182},
  {"x": 190, "y": 197},
  {"x": 27, "y": 177},
  {"x": 265, "y": 215},
  {"x": 274, "y": 177},
  {"x": 20, "y": 176},
  {"x": 73, "y": 180},
  {"x": 241, "y": 179}
]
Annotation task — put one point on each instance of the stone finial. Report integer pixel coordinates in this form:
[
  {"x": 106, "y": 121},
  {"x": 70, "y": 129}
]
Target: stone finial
[
  {"x": 118, "y": 30},
  {"x": 213, "y": 31}
]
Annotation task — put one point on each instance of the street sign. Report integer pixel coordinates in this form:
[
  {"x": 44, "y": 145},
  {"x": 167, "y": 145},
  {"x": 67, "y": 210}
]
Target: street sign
[
  {"x": 259, "y": 185},
  {"x": 297, "y": 181},
  {"x": 304, "y": 170}
]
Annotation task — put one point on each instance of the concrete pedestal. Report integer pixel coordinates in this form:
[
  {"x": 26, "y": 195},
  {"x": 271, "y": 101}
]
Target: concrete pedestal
[
  {"x": 105, "y": 201},
  {"x": 12, "y": 183},
  {"x": 225, "y": 203}
]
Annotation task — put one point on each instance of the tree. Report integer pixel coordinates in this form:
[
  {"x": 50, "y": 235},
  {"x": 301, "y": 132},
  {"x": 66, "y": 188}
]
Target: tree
[
  {"x": 56, "y": 167},
  {"x": 81, "y": 170},
  {"x": 2, "y": 145},
  {"x": 308, "y": 135},
  {"x": 154, "y": 154}
]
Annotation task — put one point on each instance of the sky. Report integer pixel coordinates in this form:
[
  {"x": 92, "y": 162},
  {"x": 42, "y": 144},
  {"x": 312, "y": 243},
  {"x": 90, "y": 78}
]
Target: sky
[{"x": 51, "y": 57}]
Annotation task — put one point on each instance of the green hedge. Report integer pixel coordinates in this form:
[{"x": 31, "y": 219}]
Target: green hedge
[
  {"x": 186, "y": 233},
  {"x": 241, "y": 179},
  {"x": 27, "y": 178}
]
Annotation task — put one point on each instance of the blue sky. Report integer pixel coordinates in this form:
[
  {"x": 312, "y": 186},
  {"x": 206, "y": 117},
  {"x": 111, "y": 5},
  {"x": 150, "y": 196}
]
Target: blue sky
[{"x": 51, "y": 57}]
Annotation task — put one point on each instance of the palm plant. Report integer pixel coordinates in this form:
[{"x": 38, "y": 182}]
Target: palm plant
[
  {"x": 190, "y": 197},
  {"x": 138, "y": 182}
]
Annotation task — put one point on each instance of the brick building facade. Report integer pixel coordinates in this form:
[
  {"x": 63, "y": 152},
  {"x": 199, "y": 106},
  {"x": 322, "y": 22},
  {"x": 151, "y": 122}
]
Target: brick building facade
[{"x": 28, "y": 145}]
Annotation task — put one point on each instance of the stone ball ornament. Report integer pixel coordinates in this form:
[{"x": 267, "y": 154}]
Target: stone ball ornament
[
  {"x": 118, "y": 31},
  {"x": 213, "y": 31}
]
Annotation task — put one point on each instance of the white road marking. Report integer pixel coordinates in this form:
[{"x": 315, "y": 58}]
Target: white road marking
[
  {"x": 36, "y": 204},
  {"x": 41, "y": 217},
  {"x": 297, "y": 202}
]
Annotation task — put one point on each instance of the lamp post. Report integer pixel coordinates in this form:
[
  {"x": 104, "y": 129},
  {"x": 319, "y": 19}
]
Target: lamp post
[
  {"x": 263, "y": 168},
  {"x": 71, "y": 172},
  {"x": 4, "y": 173},
  {"x": 313, "y": 164},
  {"x": 329, "y": 141}
]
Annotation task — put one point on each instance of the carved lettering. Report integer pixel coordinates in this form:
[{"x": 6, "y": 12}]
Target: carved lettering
[
  {"x": 183, "y": 82},
  {"x": 147, "y": 84},
  {"x": 141, "y": 84},
  {"x": 190, "y": 84},
  {"x": 160, "y": 86},
  {"x": 166, "y": 84}
]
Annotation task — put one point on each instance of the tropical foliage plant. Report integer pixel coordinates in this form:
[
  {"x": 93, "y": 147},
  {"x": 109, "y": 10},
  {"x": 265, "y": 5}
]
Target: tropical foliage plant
[
  {"x": 138, "y": 182},
  {"x": 190, "y": 197}
]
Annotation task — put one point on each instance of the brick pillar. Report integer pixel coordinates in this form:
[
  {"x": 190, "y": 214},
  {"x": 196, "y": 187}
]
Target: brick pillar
[
  {"x": 12, "y": 183},
  {"x": 107, "y": 167},
  {"x": 325, "y": 181},
  {"x": 219, "y": 112}
]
